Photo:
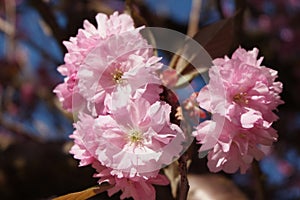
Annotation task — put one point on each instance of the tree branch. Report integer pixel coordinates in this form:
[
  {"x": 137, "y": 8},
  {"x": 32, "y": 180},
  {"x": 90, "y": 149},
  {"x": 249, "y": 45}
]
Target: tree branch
[
  {"x": 6, "y": 27},
  {"x": 10, "y": 11},
  {"x": 219, "y": 7},
  {"x": 49, "y": 18},
  {"x": 194, "y": 18},
  {"x": 183, "y": 170}
]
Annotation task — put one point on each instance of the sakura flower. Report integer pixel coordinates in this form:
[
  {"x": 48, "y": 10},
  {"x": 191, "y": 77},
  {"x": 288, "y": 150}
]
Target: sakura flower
[
  {"x": 135, "y": 140},
  {"x": 228, "y": 160},
  {"x": 241, "y": 96},
  {"x": 138, "y": 139},
  {"x": 121, "y": 28},
  {"x": 169, "y": 77},
  {"x": 239, "y": 87},
  {"x": 118, "y": 81},
  {"x": 191, "y": 106},
  {"x": 233, "y": 147},
  {"x": 82, "y": 148},
  {"x": 137, "y": 187},
  {"x": 89, "y": 37}
]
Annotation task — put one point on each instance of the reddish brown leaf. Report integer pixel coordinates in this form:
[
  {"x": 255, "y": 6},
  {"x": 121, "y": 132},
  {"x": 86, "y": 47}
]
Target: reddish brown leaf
[
  {"x": 217, "y": 38},
  {"x": 220, "y": 37}
]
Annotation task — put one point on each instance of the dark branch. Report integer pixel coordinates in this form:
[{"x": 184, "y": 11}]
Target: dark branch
[
  {"x": 48, "y": 16},
  {"x": 219, "y": 7},
  {"x": 184, "y": 183}
]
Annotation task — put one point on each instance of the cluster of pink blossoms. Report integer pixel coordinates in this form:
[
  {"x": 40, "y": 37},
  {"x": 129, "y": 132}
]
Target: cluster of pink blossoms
[
  {"x": 241, "y": 96},
  {"x": 123, "y": 128}
]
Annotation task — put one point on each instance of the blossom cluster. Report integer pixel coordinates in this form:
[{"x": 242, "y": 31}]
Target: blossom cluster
[
  {"x": 241, "y": 97},
  {"x": 113, "y": 85},
  {"x": 123, "y": 128}
]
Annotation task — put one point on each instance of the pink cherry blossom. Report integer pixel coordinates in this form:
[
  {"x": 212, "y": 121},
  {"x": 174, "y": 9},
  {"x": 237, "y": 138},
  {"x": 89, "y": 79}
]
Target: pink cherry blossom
[
  {"x": 139, "y": 188},
  {"x": 87, "y": 38},
  {"x": 116, "y": 37},
  {"x": 240, "y": 87},
  {"x": 191, "y": 106},
  {"x": 169, "y": 77},
  {"x": 135, "y": 140},
  {"x": 138, "y": 139},
  {"x": 84, "y": 149},
  {"x": 101, "y": 82},
  {"x": 233, "y": 147},
  {"x": 241, "y": 95}
]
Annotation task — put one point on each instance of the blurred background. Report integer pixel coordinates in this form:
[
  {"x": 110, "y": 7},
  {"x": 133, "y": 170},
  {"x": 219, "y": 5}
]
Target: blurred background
[{"x": 34, "y": 143}]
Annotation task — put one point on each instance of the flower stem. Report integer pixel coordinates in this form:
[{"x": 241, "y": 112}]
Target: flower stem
[{"x": 184, "y": 183}]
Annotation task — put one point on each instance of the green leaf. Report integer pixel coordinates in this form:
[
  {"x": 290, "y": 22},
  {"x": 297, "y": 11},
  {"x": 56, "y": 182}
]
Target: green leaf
[{"x": 85, "y": 194}]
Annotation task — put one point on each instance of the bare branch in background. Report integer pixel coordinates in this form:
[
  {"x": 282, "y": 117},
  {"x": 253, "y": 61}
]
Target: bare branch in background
[
  {"x": 240, "y": 6},
  {"x": 194, "y": 18},
  {"x": 48, "y": 16},
  {"x": 6, "y": 27},
  {"x": 10, "y": 12},
  {"x": 131, "y": 10},
  {"x": 219, "y": 7},
  {"x": 19, "y": 130}
]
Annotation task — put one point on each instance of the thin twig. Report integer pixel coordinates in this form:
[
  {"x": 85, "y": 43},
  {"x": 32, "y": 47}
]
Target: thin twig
[
  {"x": 194, "y": 18},
  {"x": 239, "y": 19},
  {"x": 137, "y": 18},
  {"x": 10, "y": 11},
  {"x": 48, "y": 16},
  {"x": 6, "y": 27},
  {"x": 184, "y": 161},
  {"x": 219, "y": 7}
]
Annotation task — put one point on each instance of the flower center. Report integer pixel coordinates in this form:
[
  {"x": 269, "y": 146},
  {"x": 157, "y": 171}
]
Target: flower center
[
  {"x": 117, "y": 76},
  {"x": 135, "y": 137},
  {"x": 241, "y": 98}
]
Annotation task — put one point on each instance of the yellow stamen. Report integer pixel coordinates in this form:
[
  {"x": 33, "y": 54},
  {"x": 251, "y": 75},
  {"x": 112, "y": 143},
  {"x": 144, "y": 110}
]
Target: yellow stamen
[
  {"x": 117, "y": 76},
  {"x": 241, "y": 98},
  {"x": 135, "y": 137}
]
